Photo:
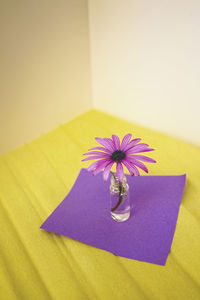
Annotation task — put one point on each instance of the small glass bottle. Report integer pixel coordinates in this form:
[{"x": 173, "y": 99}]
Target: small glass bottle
[{"x": 119, "y": 199}]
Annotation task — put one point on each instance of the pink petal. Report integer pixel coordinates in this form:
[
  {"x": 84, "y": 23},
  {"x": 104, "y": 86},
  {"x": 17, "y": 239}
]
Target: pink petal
[
  {"x": 101, "y": 148},
  {"x": 94, "y": 157},
  {"x": 143, "y": 158},
  {"x": 142, "y": 149},
  {"x": 126, "y": 164},
  {"x": 97, "y": 163},
  {"x": 101, "y": 165},
  {"x": 116, "y": 141},
  {"x": 110, "y": 141},
  {"x": 106, "y": 171},
  {"x": 119, "y": 171},
  {"x": 131, "y": 168},
  {"x": 139, "y": 146},
  {"x": 125, "y": 140},
  {"x": 98, "y": 153},
  {"x": 138, "y": 164},
  {"x": 92, "y": 166},
  {"x": 104, "y": 143},
  {"x": 132, "y": 143}
]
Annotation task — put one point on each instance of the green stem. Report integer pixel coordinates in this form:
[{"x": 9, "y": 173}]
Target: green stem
[
  {"x": 113, "y": 174},
  {"x": 121, "y": 191}
]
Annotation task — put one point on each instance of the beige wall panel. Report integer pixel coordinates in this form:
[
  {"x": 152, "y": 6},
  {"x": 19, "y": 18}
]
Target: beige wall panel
[{"x": 44, "y": 67}]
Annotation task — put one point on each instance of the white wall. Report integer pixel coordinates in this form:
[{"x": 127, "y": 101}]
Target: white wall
[
  {"x": 44, "y": 67},
  {"x": 146, "y": 63}
]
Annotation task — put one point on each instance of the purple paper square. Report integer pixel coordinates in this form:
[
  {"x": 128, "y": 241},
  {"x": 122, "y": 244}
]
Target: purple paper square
[{"x": 147, "y": 236}]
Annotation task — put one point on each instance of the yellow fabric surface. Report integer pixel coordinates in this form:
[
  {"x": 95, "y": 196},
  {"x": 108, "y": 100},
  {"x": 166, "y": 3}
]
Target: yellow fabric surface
[{"x": 35, "y": 178}]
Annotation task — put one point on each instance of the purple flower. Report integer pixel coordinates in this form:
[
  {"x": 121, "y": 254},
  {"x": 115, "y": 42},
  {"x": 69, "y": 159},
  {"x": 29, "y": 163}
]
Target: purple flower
[{"x": 122, "y": 154}]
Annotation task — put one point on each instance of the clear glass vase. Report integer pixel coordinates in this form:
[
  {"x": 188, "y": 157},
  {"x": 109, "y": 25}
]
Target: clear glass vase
[{"x": 119, "y": 199}]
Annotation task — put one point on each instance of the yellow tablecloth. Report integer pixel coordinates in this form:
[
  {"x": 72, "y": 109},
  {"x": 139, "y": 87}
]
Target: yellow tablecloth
[{"x": 35, "y": 264}]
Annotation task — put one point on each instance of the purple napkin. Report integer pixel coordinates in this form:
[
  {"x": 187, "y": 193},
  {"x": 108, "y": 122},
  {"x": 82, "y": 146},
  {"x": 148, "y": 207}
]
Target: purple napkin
[{"x": 147, "y": 236}]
